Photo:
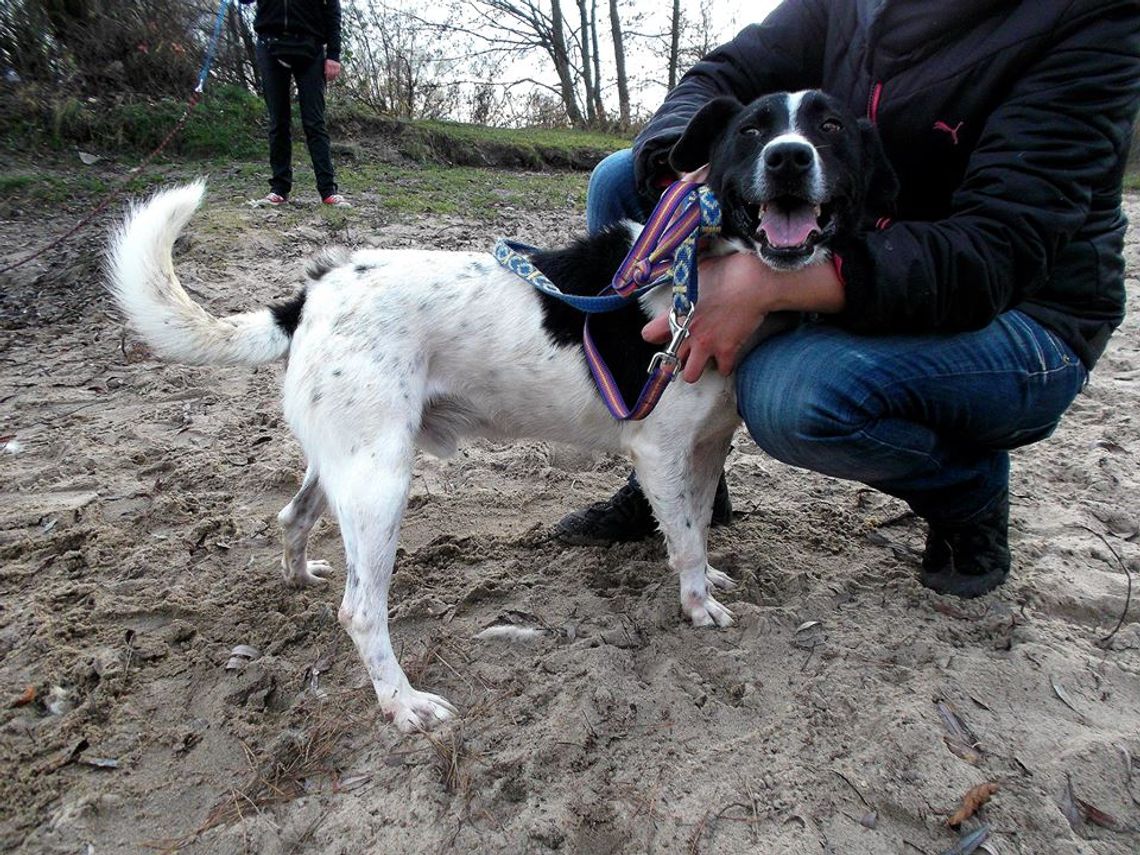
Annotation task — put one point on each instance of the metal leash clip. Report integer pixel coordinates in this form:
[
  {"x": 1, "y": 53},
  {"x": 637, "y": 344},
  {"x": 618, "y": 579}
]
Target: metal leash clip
[{"x": 680, "y": 331}]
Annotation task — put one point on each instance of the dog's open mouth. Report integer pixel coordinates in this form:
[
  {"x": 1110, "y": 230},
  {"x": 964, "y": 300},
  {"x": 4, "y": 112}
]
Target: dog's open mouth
[{"x": 788, "y": 228}]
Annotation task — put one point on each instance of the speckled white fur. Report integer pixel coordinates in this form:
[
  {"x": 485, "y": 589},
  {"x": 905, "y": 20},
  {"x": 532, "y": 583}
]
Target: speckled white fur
[{"x": 403, "y": 348}]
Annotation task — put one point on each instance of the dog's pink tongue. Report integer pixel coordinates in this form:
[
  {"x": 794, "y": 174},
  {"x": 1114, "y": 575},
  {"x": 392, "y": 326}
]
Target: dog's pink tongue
[{"x": 788, "y": 228}]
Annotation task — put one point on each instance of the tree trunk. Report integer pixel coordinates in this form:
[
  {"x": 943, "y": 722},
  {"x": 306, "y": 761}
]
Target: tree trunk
[
  {"x": 675, "y": 44},
  {"x": 561, "y": 59},
  {"x": 600, "y": 107},
  {"x": 619, "y": 62},
  {"x": 587, "y": 65}
]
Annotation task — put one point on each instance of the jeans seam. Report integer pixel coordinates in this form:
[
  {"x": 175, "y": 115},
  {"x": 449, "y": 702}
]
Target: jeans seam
[
  {"x": 862, "y": 405},
  {"x": 862, "y": 431},
  {"x": 1019, "y": 319}
]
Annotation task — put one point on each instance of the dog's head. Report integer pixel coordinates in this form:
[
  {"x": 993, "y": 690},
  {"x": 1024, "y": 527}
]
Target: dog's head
[{"x": 791, "y": 171}]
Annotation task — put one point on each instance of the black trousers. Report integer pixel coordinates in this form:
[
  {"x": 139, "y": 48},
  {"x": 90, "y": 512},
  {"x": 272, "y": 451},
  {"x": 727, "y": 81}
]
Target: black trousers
[{"x": 276, "y": 81}]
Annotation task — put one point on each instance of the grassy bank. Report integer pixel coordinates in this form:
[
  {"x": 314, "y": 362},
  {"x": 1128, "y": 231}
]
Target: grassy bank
[{"x": 230, "y": 123}]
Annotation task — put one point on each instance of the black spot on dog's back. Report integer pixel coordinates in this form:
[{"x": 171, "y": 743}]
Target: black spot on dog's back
[
  {"x": 584, "y": 268},
  {"x": 327, "y": 259},
  {"x": 288, "y": 314}
]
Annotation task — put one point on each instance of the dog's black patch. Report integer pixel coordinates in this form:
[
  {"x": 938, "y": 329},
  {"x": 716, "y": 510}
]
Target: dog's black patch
[
  {"x": 326, "y": 260},
  {"x": 585, "y": 268},
  {"x": 288, "y": 314}
]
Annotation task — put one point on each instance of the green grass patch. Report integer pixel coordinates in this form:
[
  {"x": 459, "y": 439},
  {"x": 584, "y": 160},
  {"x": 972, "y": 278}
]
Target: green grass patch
[
  {"x": 62, "y": 188},
  {"x": 229, "y": 124},
  {"x": 1132, "y": 181},
  {"x": 434, "y": 189},
  {"x": 536, "y": 138},
  {"x": 229, "y": 121}
]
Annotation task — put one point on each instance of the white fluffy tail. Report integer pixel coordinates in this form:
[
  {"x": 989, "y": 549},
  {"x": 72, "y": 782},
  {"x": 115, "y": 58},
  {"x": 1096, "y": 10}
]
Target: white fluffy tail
[{"x": 157, "y": 307}]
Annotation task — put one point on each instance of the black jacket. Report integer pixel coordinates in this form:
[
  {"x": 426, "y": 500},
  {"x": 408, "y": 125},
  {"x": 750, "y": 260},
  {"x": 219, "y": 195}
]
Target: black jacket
[
  {"x": 1008, "y": 123},
  {"x": 317, "y": 19}
]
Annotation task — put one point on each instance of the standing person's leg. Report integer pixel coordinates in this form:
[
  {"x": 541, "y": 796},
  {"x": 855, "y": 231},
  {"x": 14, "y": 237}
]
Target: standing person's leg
[
  {"x": 611, "y": 197},
  {"x": 276, "y": 82},
  {"x": 928, "y": 419},
  {"x": 311, "y": 95}
]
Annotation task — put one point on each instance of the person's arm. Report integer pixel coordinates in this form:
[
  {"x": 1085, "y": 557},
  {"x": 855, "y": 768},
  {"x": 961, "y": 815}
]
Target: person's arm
[
  {"x": 785, "y": 52},
  {"x": 738, "y": 291},
  {"x": 332, "y": 40},
  {"x": 1059, "y": 137}
]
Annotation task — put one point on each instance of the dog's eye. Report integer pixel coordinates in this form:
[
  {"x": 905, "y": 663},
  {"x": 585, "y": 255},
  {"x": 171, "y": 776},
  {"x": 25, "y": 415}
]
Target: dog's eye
[
  {"x": 750, "y": 131},
  {"x": 831, "y": 126}
]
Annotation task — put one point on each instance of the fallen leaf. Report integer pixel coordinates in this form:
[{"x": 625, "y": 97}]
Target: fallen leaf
[
  {"x": 968, "y": 843},
  {"x": 1068, "y": 806},
  {"x": 26, "y": 697},
  {"x": 959, "y": 739},
  {"x": 1063, "y": 695},
  {"x": 1098, "y": 817},
  {"x": 351, "y": 782},
  {"x": 973, "y": 800},
  {"x": 89, "y": 159},
  {"x": 99, "y": 762}
]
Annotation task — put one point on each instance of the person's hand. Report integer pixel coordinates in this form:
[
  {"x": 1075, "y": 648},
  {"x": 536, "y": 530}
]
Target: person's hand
[
  {"x": 332, "y": 70},
  {"x": 733, "y": 304}
]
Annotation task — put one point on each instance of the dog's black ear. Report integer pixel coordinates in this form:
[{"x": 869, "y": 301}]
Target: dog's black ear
[
  {"x": 692, "y": 150},
  {"x": 881, "y": 184}
]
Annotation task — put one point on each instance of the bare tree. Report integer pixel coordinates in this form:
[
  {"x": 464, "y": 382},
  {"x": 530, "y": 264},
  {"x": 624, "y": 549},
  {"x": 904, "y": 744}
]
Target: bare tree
[
  {"x": 674, "y": 43},
  {"x": 518, "y": 28},
  {"x": 397, "y": 67},
  {"x": 619, "y": 61}
]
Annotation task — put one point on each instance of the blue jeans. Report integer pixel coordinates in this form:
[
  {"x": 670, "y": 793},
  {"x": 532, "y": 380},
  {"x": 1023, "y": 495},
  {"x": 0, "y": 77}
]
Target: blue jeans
[{"x": 927, "y": 418}]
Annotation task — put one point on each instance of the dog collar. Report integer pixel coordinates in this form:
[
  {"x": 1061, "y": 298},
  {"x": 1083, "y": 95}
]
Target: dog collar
[{"x": 665, "y": 250}]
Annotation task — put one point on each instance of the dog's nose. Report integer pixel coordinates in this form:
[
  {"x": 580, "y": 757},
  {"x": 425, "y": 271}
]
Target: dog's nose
[{"x": 788, "y": 159}]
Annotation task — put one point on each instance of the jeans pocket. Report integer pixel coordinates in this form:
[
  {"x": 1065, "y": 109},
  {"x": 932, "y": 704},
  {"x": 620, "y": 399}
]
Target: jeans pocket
[{"x": 1049, "y": 352}]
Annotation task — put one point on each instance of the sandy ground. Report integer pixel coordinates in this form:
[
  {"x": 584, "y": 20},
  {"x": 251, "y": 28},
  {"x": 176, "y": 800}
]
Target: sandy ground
[{"x": 138, "y": 547}]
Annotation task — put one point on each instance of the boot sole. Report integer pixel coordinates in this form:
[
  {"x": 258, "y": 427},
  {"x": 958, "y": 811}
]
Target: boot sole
[{"x": 961, "y": 585}]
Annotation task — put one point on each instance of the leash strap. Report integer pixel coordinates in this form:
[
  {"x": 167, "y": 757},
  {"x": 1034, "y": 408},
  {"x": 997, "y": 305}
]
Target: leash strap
[
  {"x": 213, "y": 45},
  {"x": 666, "y": 249},
  {"x": 515, "y": 257}
]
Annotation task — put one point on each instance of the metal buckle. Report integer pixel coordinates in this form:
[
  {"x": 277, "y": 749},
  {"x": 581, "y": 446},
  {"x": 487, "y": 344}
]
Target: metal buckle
[{"x": 680, "y": 330}]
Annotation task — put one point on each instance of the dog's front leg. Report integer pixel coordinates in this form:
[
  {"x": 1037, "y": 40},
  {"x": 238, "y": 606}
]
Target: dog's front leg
[
  {"x": 680, "y": 482},
  {"x": 368, "y": 492},
  {"x": 297, "y": 519}
]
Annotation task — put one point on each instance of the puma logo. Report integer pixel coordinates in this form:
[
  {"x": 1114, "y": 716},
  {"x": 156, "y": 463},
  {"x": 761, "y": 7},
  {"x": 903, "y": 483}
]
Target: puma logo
[{"x": 953, "y": 131}]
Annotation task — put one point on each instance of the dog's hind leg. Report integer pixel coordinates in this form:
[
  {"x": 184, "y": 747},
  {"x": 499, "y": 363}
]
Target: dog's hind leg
[
  {"x": 680, "y": 482},
  {"x": 368, "y": 490},
  {"x": 297, "y": 519}
]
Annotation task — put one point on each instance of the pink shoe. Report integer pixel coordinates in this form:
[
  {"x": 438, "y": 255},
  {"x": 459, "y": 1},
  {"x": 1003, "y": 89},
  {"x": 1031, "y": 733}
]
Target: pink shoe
[
  {"x": 336, "y": 201},
  {"x": 272, "y": 200}
]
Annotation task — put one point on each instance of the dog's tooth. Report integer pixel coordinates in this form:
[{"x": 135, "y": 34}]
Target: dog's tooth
[{"x": 818, "y": 211}]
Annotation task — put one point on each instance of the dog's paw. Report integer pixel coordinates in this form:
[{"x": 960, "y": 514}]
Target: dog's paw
[
  {"x": 718, "y": 579},
  {"x": 704, "y": 610},
  {"x": 313, "y": 573},
  {"x": 413, "y": 712}
]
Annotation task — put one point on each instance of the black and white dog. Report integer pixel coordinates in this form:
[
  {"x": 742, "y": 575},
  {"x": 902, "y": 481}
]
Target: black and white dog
[{"x": 390, "y": 350}]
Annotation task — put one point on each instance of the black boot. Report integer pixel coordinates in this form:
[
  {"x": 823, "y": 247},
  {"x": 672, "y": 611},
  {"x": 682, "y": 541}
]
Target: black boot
[
  {"x": 968, "y": 559},
  {"x": 626, "y": 516}
]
